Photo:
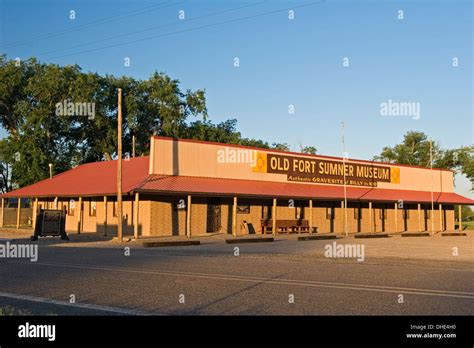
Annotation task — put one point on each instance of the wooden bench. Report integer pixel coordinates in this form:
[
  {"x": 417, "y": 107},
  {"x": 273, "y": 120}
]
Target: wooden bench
[{"x": 285, "y": 226}]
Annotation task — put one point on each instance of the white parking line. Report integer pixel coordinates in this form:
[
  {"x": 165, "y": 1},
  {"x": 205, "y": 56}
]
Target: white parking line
[
  {"x": 307, "y": 283},
  {"x": 68, "y": 304}
]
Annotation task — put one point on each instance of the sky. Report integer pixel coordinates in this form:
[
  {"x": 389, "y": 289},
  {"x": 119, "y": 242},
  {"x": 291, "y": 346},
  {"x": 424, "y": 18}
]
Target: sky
[{"x": 285, "y": 64}]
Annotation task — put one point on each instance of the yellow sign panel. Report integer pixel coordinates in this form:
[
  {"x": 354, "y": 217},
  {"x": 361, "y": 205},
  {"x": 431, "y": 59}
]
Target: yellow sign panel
[
  {"x": 394, "y": 175},
  {"x": 261, "y": 163}
]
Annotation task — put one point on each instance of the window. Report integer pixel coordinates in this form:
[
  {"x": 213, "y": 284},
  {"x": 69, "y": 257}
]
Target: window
[{"x": 92, "y": 207}]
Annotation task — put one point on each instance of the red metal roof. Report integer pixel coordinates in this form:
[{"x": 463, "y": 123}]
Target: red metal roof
[
  {"x": 96, "y": 179},
  {"x": 230, "y": 187},
  {"x": 91, "y": 179}
]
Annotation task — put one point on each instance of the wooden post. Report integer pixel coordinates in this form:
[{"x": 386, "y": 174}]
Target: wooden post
[
  {"x": 234, "y": 218},
  {"x": 419, "y": 217},
  {"x": 274, "y": 210},
  {"x": 79, "y": 216},
  {"x": 371, "y": 219},
  {"x": 310, "y": 216},
  {"x": 18, "y": 211},
  {"x": 105, "y": 216},
  {"x": 440, "y": 206},
  {"x": 460, "y": 218},
  {"x": 396, "y": 217},
  {"x": 3, "y": 211},
  {"x": 35, "y": 212},
  {"x": 119, "y": 167},
  {"x": 135, "y": 217},
  {"x": 188, "y": 217},
  {"x": 55, "y": 203}
]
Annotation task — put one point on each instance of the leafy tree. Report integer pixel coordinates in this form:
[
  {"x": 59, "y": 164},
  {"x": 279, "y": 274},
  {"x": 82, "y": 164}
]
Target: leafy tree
[
  {"x": 309, "y": 150},
  {"x": 415, "y": 150},
  {"x": 281, "y": 146},
  {"x": 30, "y": 92}
]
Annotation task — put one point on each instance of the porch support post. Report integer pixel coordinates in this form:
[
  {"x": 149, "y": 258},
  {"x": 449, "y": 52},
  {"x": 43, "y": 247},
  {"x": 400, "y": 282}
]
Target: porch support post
[
  {"x": 396, "y": 217},
  {"x": 79, "y": 216},
  {"x": 135, "y": 217},
  {"x": 188, "y": 217},
  {"x": 274, "y": 222},
  {"x": 105, "y": 216},
  {"x": 55, "y": 202},
  {"x": 35, "y": 212},
  {"x": 371, "y": 218},
  {"x": 18, "y": 211},
  {"x": 3, "y": 211},
  {"x": 310, "y": 216},
  {"x": 460, "y": 218},
  {"x": 234, "y": 217},
  {"x": 419, "y": 217},
  {"x": 440, "y": 206}
]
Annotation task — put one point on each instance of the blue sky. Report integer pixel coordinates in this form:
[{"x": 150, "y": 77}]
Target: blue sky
[{"x": 282, "y": 62}]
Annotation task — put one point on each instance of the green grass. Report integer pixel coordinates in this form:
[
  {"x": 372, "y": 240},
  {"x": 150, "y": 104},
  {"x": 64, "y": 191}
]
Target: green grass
[
  {"x": 12, "y": 311},
  {"x": 469, "y": 224}
]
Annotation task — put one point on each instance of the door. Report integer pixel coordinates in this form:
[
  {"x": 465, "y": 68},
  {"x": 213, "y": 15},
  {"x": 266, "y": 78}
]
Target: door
[{"x": 213, "y": 215}]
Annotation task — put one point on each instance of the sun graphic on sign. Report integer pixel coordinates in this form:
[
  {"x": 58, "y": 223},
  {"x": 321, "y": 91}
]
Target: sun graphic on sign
[
  {"x": 260, "y": 163},
  {"x": 394, "y": 175}
]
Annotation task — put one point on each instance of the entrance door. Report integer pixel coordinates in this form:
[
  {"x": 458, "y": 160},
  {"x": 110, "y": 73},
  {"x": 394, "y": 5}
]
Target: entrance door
[{"x": 213, "y": 215}]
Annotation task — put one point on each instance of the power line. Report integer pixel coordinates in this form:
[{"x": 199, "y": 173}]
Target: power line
[
  {"x": 92, "y": 23},
  {"x": 190, "y": 29},
  {"x": 154, "y": 28}
]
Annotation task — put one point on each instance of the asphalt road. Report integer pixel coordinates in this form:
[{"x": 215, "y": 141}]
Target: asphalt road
[{"x": 262, "y": 280}]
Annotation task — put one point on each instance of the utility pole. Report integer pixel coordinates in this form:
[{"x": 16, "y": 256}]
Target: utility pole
[
  {"x": 133, "y": 146},
  {"x": 119, "y": 167},
  {"x": 344, "y": 173}
]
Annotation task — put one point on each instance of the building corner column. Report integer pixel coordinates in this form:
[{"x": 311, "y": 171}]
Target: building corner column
[{"x": 310, "y": 216}]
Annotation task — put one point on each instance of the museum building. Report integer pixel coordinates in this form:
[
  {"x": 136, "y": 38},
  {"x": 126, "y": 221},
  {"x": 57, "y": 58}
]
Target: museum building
[{"x": 193, "y": 188}]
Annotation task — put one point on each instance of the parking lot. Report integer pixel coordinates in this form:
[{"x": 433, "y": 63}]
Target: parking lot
[{"x": 398, "y": 275}]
